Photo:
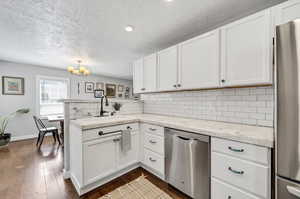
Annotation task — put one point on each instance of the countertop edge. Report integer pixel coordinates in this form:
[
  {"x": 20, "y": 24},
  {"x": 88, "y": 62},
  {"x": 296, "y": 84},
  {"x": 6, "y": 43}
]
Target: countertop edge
[{"x": 241, "y": 138}]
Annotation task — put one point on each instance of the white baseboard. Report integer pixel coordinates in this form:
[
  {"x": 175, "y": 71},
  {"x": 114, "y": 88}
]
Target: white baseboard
[
  {"x": 23, "y": 137},
  {"x": 26, "y": 137}
]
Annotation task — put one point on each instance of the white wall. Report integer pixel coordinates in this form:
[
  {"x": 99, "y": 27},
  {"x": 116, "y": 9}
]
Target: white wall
[{"x": 23, "y": 125}]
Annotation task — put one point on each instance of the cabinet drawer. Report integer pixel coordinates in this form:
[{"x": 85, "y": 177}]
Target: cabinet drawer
[
  {"x": 154, "y": 143},
  {"x": 153, "y": 129},
  {"x": 241, "y": 150},
  {"x": 94, "y": 133},
  {"x": 154, "y": 161},
  {"x": 249, "y": 176},
  {"x": 222, "y": 190}
]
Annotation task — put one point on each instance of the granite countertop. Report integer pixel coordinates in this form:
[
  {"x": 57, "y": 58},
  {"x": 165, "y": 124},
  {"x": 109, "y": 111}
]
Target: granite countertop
[{"x": 261, "y": 136}]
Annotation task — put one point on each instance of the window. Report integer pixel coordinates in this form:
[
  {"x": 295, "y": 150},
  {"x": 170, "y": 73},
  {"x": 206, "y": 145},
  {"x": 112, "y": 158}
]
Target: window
[{"x": 50, "y": 91}]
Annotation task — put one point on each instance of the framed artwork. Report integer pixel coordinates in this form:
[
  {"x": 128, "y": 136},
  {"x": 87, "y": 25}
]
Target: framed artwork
[
  {"x": 110, "y": 90},
  {"x": 89, "y": 87},
  {"x": 127, "y": 92},
  {"x": 12, "y": 85},
  {"x": 99, "y": 85},
  {"x": 98, "y": 93},
  {"x": 120, "y": 88}
]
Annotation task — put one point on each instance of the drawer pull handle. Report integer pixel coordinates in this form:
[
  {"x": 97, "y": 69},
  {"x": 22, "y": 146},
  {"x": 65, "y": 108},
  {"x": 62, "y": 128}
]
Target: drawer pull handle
[
  {"x": 129, "y": 128},
  {"x": 229, "y": 197},
  {"x": 236, "y": 150},
  {"x": 152, "y": 129},
  {"x": 116, "y": 140},
  {"x": 152, "y": 160},
  {"x": 152, "y": 141},
  {"x": 100, "y": 133},
  {"x": 235, "y": 171}
]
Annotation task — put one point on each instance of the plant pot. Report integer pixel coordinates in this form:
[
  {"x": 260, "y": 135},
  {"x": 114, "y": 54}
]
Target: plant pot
[{"x": 5, "y": 139}]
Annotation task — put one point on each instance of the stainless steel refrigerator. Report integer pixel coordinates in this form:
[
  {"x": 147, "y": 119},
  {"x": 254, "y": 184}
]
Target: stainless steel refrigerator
[{"x": 288, "y": 110}]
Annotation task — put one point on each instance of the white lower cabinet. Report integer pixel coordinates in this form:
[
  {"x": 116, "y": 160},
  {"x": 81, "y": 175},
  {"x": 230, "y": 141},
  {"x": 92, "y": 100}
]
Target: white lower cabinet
[
  {"x": 236, "y": 173},
  {"x": 132, "y": 156},
  {"x": 99, "y": 158},
  {"x": 221, "y": 190},
  {"x": 96, "y": 155},
  {"x": 153, "y": 149}
]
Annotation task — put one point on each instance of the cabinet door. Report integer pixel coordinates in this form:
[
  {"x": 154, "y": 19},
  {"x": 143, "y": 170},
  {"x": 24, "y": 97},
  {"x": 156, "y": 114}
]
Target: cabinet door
[
  {"x": 246, "y": 51},
  {"x": 199, "y": 62},
  {"x": 99, "y": 159},
  {"x": 150, "y": 73},
  {"x": 287, "y": 11},
  {"x": 138, "y": 83},
  {"x": 132, "y": 156},
  {"x": 167, "y": 69}
]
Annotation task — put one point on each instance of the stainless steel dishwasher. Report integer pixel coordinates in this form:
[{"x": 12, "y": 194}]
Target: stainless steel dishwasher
[{"x": 188, "y": 162}]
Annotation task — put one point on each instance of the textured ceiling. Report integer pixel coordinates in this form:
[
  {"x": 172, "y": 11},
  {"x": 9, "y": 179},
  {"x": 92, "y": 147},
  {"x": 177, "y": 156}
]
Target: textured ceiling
[{"x": 55, "y": 33}]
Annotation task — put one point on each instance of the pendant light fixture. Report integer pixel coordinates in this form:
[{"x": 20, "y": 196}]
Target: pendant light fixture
[{"x": 79, "y": 70}]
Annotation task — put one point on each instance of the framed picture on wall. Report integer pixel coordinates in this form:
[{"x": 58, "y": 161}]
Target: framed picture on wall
[
  {"x": 120, "y": 88},
  {"x": 110, "y": 90},
  {"x": 99, "y": 93},
  {"x": 89, "y": 87},
  {"x": 12, "y": 85},
  {"x": 99, "y": 85}
]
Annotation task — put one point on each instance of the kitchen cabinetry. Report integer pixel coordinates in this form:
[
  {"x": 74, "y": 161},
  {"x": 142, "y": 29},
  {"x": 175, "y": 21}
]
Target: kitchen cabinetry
[
  {"x": 154, "y": 149},
  {"x": 96, "y": 156},
  {"x": 287, "y": 11},
  {"x": 138, "y": 79},
  {"x": 132, "y": 156},
  {"x": 150, "y": 73},
  {"x": 237, "y": 54},
  {"x": 199, "y": 62},
  {"x": 167, "y": 69},
  {"x": 106, "y": 162},
  {"x": 240, "y": 170},
  {"x": 246, "y": 54}
]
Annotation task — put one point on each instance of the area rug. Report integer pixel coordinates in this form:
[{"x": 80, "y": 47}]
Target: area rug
[{"x": 140, "y": 188}]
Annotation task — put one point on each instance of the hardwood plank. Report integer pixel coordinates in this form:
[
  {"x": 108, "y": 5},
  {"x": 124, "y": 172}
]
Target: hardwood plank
[{"x": 29, "y": 173}]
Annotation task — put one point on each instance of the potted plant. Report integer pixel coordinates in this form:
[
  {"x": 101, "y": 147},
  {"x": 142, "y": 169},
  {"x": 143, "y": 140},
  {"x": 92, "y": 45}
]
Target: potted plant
[
  {"x": 5, "y": 137},
  {"x": 117, "y": 106}
]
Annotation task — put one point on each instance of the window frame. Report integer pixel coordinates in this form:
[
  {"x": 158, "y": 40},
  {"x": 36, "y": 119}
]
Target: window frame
[{"x": 38, "y": 92}]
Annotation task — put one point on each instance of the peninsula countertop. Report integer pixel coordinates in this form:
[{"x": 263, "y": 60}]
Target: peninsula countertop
[{"x": 261, "y": 136}]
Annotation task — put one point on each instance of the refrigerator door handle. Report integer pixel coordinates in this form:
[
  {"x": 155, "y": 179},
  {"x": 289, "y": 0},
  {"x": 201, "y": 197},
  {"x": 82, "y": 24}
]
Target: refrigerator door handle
[{"x": 293, "y": 190}]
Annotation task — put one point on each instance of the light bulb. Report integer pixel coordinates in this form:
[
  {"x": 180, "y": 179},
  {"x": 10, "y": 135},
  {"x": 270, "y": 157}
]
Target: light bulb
[
  {"x": 82, "y": 69},
  {"x": 76, "y": 72},
  {"x": 70, "y": 69}
]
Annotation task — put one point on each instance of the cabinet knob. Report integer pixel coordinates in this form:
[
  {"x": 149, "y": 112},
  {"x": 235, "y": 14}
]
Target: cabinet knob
[
  {"x": 143, "y": 89},
  {"x": 129, "y": 128},
  {"x": 223, "y": 80},
  {"x": 178, "y": 85},
  {"x": 100, "y": 133},
  {"x": 175, "y": 86}
]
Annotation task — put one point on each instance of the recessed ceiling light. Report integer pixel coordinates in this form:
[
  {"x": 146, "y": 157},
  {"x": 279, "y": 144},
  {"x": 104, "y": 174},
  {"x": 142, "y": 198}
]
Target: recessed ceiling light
[
  {"x": 168, "y": 0},
  {"x": 129, "y": 28}
]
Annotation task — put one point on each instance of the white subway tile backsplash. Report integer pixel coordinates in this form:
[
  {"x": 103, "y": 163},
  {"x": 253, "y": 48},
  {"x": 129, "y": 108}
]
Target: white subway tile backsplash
[{"x": 253, "y": 106}]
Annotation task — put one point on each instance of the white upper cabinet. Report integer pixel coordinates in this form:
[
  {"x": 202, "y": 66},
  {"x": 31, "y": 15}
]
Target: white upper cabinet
[
  {"x": 246, "y": 56},
  {"x": 287, "y": 11},
  {"x": 150, "y": 73},
  {"x": 199, "y": 65},
  {"x": 167, "y": 69},
  {"x": 138, "y": 79}
]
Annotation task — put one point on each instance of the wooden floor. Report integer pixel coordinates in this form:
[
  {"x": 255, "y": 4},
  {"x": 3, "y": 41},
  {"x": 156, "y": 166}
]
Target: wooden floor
[{"x": 26, "y": 173}]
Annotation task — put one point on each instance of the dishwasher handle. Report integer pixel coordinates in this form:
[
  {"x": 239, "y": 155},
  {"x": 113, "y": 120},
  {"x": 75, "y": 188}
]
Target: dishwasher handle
[{"x": 183, "y": 138}]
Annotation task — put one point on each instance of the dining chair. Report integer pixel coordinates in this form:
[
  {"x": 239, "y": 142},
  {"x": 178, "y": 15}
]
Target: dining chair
[{"x": 43, "y": 130}]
